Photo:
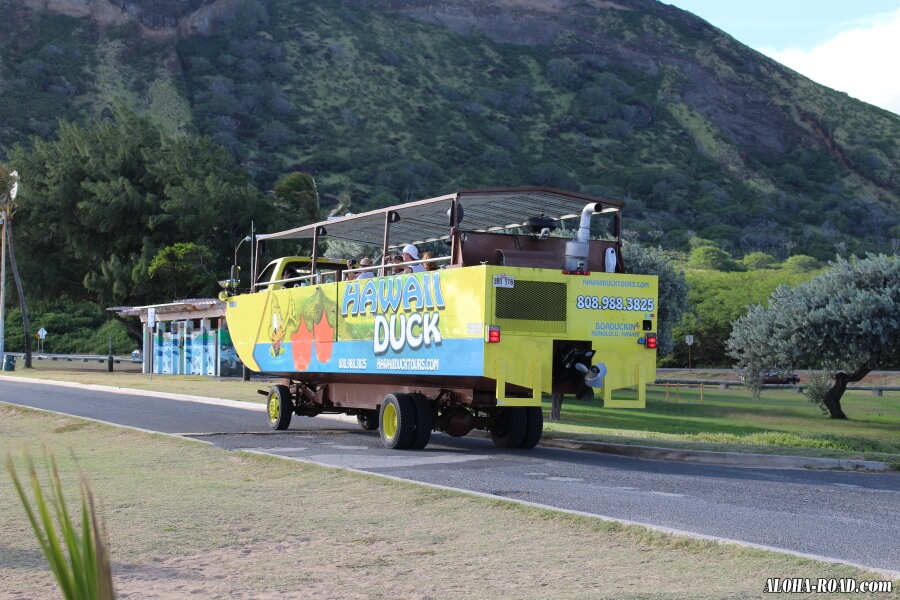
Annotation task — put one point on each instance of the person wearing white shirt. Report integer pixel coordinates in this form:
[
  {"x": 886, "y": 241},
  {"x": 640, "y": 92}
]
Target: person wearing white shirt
[{"x": 410, "y": 252}]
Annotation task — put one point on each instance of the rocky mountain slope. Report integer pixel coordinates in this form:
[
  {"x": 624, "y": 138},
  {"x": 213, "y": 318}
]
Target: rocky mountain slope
[{"x": 386, "y": 100}]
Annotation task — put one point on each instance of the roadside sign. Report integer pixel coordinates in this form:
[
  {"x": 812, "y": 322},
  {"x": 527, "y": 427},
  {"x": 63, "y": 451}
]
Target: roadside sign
[
  {"x": 689, "y": 340},
  {"x": 151, "y": 317},
  {"x": 42, "y": 333}
]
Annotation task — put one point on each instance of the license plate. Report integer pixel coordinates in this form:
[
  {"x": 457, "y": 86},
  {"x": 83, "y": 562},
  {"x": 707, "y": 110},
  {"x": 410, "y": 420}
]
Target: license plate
[{"x": 504, "y": 281}]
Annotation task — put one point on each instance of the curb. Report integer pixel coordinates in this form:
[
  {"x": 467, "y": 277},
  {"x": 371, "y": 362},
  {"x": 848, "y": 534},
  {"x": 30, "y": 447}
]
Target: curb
[{"x": 731, "y": 459}]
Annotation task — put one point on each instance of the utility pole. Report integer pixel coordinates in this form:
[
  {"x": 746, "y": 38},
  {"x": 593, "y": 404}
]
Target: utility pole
[
  {"x": 2, "y": 286},
  {"x": 6, "y": 199}
]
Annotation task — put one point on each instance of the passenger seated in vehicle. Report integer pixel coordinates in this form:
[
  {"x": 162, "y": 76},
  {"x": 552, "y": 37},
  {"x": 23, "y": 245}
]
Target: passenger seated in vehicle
[
  {"x": 396, "y": 260},
  {"x": 291, "y": 273},
  {"x": 410, "y": 252},
  {"x": 365, "y": 262},
  {"x": 351, "y": 264},
  {"x": 429, "y": 266}
]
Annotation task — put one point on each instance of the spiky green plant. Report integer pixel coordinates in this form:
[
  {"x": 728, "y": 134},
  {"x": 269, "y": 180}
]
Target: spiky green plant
[{"x": 79, "y": 560}]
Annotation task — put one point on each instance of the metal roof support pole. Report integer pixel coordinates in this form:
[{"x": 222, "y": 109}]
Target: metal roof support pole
[
  {"x": 386, "y": 243},
  {"x": 253, "y": 257},
  {"x": 319, "y": 231},
  {"x": 391, "y": 216},
  {"x": 455, "y": 238}
]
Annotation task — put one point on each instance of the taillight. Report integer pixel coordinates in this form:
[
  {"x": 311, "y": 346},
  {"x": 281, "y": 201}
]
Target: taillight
[
  {"x": 493, "y": 334},
  {"x": 651, "y": 341}
]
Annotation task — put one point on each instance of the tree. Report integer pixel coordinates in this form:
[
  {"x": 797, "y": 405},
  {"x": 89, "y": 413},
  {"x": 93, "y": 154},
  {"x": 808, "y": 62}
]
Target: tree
[
  {"x": 758, "y": 260},
  {"x": 297, "y": 198},
  {"x": 9, "y": 182},
  {"x": 673, "y": 290},
  {"x": 183, "y": 270},
  {"x": 801, "y": 263},
  {"x": 847, "y": 316},
  {"x": 716, "y": 299},
  {"x": 707, "y": 257},
  {"x": 103, "y": 201}
]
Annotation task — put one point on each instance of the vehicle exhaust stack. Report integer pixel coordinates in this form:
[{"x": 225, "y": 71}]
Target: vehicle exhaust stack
[{"x": 577, "y": 249}]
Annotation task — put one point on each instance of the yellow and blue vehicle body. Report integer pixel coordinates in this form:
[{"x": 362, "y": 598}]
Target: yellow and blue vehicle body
[{"x": 435, "y": 326}]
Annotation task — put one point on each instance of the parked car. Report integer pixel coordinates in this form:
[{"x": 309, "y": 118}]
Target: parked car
[
  {"x": 778, "y": 377},
  {"x": 781, "y": 377}
]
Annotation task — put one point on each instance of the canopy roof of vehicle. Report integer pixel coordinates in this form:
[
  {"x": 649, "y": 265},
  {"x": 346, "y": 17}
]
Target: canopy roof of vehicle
[{"x": 428, "y": 220}]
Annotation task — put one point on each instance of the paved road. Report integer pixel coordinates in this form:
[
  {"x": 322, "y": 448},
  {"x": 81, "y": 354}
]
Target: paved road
[{"x": 851, "y": 517}]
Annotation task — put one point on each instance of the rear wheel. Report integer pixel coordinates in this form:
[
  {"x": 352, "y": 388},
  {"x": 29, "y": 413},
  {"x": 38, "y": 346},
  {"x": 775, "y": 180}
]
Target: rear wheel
[
  {"x": 279, "y": 407},
  {"x": 508, "y": 427},
  {"x": 424, "y": 421},
  {"x": 534, "y": 426},
  {"x": 368, "y": 419},
  {"x": 397, "y": 419}
]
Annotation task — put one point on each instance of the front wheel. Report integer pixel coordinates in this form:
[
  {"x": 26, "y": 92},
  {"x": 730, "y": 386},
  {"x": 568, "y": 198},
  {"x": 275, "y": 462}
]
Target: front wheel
[
  {"x": 279, "y": 407},
  {"x": 368, "y": 419}
]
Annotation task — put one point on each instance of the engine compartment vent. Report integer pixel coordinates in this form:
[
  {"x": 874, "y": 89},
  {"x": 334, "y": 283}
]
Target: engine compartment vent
[{"x": 531, "y": 306}]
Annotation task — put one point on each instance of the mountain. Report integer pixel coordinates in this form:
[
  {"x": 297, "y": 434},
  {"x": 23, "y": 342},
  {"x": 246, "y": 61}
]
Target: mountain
[{"x": 390, "y": 100}]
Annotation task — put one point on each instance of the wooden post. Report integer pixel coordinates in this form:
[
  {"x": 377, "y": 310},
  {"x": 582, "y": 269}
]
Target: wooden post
[{"x": 701, "y": 393}]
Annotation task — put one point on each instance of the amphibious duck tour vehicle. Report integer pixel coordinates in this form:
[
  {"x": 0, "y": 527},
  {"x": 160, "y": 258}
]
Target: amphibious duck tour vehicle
[{"x": 512, "y": 313}]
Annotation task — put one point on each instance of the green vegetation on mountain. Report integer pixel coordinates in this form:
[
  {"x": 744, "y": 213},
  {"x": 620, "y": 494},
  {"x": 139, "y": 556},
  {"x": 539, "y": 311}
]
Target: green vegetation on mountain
[
  {"x": 383, "y": 101},
  {"x": 722, "y": 156}
]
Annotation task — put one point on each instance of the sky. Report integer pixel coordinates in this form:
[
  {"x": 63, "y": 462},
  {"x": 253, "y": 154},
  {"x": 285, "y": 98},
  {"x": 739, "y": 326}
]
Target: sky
[{"x": 849, "y": 45}]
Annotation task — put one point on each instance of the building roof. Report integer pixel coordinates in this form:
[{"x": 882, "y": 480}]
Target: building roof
[{"x": 196, "y": 308}]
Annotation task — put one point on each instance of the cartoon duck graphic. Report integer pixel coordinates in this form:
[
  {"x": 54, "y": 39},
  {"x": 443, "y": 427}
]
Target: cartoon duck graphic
[{"x": 280, "y": 325}]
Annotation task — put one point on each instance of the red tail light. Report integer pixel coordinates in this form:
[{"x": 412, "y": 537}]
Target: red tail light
[
  {"x": 651, "y": 341},
  {"x": 493, "y": 334}
]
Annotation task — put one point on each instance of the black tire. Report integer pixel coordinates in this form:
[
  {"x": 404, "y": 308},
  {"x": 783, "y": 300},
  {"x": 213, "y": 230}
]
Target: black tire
[
  {"x": 279, "y": 407},
  {"x": 534, "y": 427},
  {"x": 397, "y": 421},
  {"x": 424, "y": 421},
  {"x": 508, "y": 427},
  {"x": 368, "y": 419}
]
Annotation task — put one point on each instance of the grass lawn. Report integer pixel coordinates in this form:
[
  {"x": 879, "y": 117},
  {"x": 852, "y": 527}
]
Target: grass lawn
[
  {"x": 185, "y": 519},
  {"x": 782, "y": 421}
]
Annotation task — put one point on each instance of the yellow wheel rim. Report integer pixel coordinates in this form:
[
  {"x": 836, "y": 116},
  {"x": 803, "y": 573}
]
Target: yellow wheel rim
[
  {"x": 389, "y": 420},
  {"x": 274, "y": 408}
]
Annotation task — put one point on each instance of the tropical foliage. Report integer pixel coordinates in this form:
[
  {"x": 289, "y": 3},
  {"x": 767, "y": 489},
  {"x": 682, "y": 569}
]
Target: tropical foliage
[{"x": 101, "y": 202}]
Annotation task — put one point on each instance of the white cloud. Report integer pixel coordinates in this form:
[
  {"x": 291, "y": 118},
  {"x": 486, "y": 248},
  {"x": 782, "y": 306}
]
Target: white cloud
[{"x": 862, "y": 61}]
